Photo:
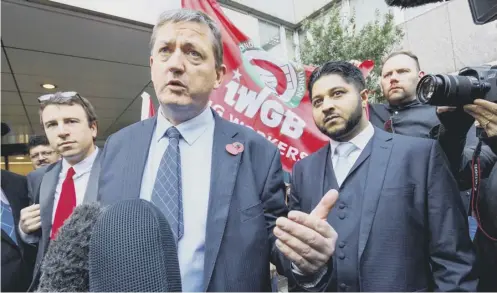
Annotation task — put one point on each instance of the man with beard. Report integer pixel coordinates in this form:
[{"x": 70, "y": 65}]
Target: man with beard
[{"x": 400, "y": 224}]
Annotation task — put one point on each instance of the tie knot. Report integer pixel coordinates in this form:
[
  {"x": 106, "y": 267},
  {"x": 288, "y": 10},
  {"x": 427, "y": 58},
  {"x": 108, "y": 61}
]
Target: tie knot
[
  {"x": 173, "y": 132},
  {"x": 344, "y": 149},
  {"x": 70, "y": 172}
]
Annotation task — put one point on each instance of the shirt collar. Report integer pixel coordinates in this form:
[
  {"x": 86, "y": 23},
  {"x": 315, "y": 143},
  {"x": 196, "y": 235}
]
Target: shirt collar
[
  {"x": 81, "y": 167},
  {"x": 360, "y": 140},
  {"x": 190, "y": 130},
  {"x": 415, "y": 102}
]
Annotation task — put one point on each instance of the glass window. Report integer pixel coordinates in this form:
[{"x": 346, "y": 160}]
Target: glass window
[{"x": 269, "y": 35}]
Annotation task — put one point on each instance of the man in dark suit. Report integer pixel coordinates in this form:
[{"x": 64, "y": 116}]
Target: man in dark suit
[
  {"x": 17, "y": 258},
  {"x": 219, "y": 184},
  {"x": 400, "y": 222},
  {"x": 70, "y": 123}
]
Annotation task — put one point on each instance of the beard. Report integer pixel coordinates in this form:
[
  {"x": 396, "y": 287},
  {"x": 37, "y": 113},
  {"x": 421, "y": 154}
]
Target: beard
[{"x": 350, "y": 124}]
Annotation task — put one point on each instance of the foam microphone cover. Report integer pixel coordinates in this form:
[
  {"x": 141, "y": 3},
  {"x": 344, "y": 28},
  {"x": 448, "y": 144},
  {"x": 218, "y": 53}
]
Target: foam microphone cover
[
  {"x": 65, "y": 265},
  {"x": 409, "y": 3},
  {"x": 133, "y": 249}
]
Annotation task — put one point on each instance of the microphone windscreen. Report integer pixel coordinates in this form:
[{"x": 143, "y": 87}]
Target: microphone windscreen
[
  {"x": 65, "y": 265},
  {"x": 409, "y": 3},
  {"x": 133, "y": 249}
]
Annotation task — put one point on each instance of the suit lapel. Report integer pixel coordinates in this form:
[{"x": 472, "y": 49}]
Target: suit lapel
[
  {"x": 9, "y": 240},
  {"x": 47, "y": 196},
  {"x": 380, "y": 155},
  {"x": 224, "y": 170},
  {"x": 138, "y": 155},
  {"x": 91, "y": 193},
  {"x": 324, "y": 174}
]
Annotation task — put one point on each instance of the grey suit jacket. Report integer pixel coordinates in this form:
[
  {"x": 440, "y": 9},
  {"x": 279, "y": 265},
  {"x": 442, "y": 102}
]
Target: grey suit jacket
[
  {"x": 413, "y": 231},
  {"x": 247, "y": 195},
  {"x": 41, "y": 187}
]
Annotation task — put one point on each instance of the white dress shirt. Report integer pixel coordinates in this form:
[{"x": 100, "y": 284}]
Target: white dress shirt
[
  {"x": 195, "y": 144},
  {"x": 82, "y": 175},
  {"x": 360, "y": 141}
]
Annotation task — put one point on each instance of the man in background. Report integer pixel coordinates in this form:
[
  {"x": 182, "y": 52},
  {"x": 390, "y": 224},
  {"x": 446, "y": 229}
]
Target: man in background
[
  {"x": 71, "y": 125},
  {"x": 40, "y": 151},
  {"x": 17, "y": 257}
]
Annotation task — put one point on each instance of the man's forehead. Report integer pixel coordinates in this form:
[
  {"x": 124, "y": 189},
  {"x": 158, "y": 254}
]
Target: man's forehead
[
  {"x": 184, "y": 28},
  {"x": 64, "y": 110},
  {"x": 329, "y": 81},
  {"x": 398, "y": 62}
]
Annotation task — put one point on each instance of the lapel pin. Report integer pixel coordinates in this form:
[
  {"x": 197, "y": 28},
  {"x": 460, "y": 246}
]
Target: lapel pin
[{"x": 234, "y": 148}]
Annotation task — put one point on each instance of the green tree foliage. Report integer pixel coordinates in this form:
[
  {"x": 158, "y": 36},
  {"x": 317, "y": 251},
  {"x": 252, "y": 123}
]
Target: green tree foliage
[{"x": 331, "y": 37}]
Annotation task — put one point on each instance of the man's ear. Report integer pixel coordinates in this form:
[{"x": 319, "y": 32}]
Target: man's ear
[
  {"x": 220, "y": 72},
  {"x": 364, "y": 97},
  {"x": 421, "y": 74}
]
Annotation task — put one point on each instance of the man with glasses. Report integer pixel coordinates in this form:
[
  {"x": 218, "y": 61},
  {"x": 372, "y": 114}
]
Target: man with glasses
[
  {"x": 40, "y": 151},
  {"x": 70, "y": 123}
]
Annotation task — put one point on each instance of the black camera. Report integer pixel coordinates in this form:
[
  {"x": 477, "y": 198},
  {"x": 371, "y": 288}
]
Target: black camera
[{"x": 458, "y": 90}]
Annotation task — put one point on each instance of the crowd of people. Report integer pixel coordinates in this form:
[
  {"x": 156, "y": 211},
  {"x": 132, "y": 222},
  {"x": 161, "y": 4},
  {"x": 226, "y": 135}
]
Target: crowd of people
[{"x": 384, "y": 206}]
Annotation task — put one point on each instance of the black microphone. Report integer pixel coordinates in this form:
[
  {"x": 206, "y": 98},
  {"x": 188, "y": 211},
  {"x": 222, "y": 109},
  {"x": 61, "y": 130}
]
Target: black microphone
[
  {"x": 410, "y": 3},
  {"x": 65, "y": 265},
  {"x": 125, "y": 247},
  {"x": 133, "y": 249}
]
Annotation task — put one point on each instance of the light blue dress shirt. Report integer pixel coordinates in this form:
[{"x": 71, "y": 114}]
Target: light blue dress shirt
[{"x": 197, "y": 136}]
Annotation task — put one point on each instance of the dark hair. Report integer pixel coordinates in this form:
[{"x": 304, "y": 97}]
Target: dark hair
[
  {"x": 37, "y": 140},
  {"x": 346, "y": 70},
  {"x": 59, "y": 99},
  {"x": 406, "y": 53}
]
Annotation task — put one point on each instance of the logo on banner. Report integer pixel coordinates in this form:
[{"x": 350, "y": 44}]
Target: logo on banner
[{"x": 285, "y": 79}]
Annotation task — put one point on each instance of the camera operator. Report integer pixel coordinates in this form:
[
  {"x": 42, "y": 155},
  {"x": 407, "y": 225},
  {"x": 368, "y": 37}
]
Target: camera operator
[
  {"x": 485, "y": 113},
  {"x": 405, "y": 114}
]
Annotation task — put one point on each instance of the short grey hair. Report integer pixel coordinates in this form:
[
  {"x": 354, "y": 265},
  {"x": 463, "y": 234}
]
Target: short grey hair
[{"x": 188, "y": 15}]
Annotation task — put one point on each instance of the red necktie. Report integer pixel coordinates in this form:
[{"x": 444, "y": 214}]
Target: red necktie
[{"x": 67, "y": 203}]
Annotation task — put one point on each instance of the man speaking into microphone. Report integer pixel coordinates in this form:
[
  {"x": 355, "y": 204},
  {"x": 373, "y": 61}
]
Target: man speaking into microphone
[{"x": 219, "y": 184}]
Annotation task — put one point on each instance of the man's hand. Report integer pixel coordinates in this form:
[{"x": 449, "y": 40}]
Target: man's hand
[
  {"x": 30, "y": 219},
  {"x": 485, "y": 113},
  {"x": 307, "y": 239}
]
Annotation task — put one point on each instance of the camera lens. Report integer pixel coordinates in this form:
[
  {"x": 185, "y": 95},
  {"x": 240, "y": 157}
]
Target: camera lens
[
  {"x": 426, "y": 88},
  {"x": 447, "y": 90}
]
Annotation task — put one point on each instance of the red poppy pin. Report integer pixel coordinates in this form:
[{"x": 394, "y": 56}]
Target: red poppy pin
[{"x": 234, "y": 148}]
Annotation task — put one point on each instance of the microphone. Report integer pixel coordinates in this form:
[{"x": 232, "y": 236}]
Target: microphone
[
  {"x": 133, "y": 249},
  {"x": 125, "y": 247},
  {"x": 65, "y": 265}
]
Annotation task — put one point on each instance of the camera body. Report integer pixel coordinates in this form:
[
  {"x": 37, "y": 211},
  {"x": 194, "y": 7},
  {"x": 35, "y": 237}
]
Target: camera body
[{"x": 458, "y": 90}]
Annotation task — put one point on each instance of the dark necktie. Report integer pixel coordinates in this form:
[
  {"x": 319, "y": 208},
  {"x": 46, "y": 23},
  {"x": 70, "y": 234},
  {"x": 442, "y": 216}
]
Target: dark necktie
[
  {"x": 66, "y": 204},
  {"x": 8, "y": 222},
  {"x": 167, "y": 192}
]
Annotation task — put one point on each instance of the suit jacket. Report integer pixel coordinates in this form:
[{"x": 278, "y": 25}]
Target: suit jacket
[
  {"x": 17, "y": 260},
  {"x": 413, "y": 231},
  {"x": 42, "y": 184},
  {"x": 247, "y": 195}
]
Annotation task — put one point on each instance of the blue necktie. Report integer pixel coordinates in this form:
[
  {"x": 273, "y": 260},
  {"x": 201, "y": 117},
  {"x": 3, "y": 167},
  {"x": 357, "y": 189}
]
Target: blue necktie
[
  {"x": 167, "y": 194},
  {"x": 8, "y": 222}
]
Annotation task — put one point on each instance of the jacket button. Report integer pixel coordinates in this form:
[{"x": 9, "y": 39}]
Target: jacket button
[
  {"x": 341, "y": 205},
  {"x": 341, "y": 244},
  {"x": 341, "y": 255},
  {"x": 343, "y": 286},
  {"x": 341, "y": 216}
]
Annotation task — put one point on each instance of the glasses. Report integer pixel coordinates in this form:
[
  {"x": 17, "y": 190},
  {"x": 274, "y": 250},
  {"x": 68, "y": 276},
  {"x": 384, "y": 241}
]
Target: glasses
[
  {"x": 67, "y": 95},
  {"x": 43, "y": 154}
]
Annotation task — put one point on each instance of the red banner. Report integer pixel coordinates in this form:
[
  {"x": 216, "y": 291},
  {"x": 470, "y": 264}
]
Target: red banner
[{"x": 262, "y": 92}]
